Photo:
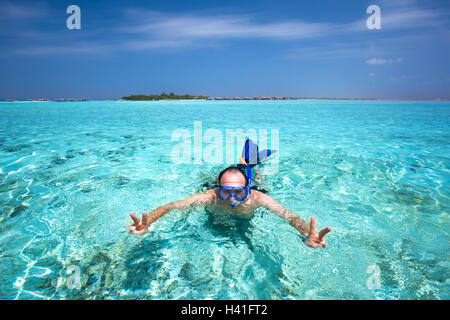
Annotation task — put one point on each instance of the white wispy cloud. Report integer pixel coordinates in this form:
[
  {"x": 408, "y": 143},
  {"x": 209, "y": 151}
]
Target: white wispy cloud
[
  {"x": 413, "y": 18},
  {"x": 231, "y": 26},
  {"x": 13, "y": 11},
  {"x": 159, "y": 30},
  {"x": 138, "y": 29},
  {"x": 383, "y": 61},
  {"x": 404, "y": 77}
]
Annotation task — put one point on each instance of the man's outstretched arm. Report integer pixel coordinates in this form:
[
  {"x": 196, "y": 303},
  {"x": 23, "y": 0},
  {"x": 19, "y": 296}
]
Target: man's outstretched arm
[
  {"x": 141, "y": 226},
  {"x": 312, "y": 238}
]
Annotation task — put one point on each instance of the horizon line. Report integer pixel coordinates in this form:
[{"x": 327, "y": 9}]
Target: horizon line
[{"x": 262, "y": 98}]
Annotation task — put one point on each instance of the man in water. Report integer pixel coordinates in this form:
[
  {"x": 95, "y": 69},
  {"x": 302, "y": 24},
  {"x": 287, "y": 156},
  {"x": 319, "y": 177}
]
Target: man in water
[{"x": 233, "y": 200}]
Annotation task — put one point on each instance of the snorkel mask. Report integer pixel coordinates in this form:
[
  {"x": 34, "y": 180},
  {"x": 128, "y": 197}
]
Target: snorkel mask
[{"x": 239, "y": 193}]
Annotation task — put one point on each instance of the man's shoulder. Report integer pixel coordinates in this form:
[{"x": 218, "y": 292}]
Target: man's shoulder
[
  {"x": 208, "y": 194},
  {"x": 260, "y": 196}
]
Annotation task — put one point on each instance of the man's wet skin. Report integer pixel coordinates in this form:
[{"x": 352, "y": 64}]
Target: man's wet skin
[{"x": 230, "y": 209}]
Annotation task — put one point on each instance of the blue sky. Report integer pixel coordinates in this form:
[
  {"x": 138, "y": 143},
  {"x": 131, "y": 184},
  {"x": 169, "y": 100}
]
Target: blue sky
[{"x": 222, "y": 48}]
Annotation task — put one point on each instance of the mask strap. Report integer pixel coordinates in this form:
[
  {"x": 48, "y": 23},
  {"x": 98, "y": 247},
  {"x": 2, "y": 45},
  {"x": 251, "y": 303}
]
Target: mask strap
[{"x": 249, "y": 174}]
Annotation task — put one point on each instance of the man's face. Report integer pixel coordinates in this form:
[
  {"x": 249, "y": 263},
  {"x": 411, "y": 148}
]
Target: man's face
[{"x": 233, "y": 179}]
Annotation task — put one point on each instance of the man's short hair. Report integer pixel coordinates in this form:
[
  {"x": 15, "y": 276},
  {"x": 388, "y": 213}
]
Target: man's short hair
[{"x": 232, "y": 169}]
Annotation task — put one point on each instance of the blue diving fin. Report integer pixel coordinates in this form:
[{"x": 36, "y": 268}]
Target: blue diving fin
[{"x": 252, "y": 155}]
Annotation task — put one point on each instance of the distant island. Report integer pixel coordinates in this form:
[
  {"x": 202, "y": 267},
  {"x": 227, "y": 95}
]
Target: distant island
[
  {"x": 163, "y": 96},
  {"x": 172, "y": 96}
]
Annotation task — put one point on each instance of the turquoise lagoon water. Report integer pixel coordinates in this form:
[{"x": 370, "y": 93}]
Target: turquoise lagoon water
[{"x": 377, "y": 173}]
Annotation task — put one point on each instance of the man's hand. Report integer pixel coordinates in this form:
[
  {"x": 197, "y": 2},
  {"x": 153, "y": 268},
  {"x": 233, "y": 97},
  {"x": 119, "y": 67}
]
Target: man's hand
[
  {"x": 316, "y": 240},
  {"x": 139, "y": 227}
]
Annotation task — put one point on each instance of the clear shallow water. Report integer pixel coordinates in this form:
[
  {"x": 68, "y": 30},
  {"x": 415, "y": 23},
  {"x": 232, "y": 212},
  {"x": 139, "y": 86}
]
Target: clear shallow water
[{"x": 376, "y": 172}]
